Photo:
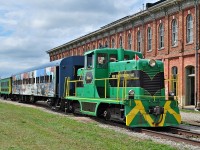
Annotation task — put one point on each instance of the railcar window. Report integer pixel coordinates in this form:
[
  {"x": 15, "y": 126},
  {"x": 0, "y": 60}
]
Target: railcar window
[
  {"x": 46, "y": 79},
  {"x": 37, "y": 79},
  {"x": 41, "y": 79},
  {"x": 51, "y": 78},
  {"x": 31, "y": 80},
  {"x": 102, "y": 60}
]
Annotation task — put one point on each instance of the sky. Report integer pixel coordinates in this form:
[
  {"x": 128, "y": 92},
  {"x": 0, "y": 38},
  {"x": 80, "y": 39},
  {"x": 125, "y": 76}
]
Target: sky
[{"x": 29, "y": 28}]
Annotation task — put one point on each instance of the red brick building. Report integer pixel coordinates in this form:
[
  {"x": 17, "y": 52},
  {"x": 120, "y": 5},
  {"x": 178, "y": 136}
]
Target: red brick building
[{"x": 167, "y": 30}]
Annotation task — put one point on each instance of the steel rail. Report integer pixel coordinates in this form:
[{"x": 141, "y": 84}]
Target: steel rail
[
  {"x": 170, "y": 137},
  {"x": 185, "y": 132}
]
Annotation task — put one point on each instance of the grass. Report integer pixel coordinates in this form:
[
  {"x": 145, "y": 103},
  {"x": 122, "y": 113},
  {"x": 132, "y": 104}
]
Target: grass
[
  {"x": 190, "y": 111},
  {"x": 23, "y": 128}
]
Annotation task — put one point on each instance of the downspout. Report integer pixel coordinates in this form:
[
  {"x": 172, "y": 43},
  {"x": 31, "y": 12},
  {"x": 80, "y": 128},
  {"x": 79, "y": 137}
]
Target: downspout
[{"x": 197, "y": 102}]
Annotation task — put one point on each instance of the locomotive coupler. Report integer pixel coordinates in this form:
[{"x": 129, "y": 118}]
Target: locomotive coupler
[{"x": 156, "y": 110}]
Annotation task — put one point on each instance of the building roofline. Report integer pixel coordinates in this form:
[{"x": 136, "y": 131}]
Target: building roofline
[{"x": 118, "y": 22}]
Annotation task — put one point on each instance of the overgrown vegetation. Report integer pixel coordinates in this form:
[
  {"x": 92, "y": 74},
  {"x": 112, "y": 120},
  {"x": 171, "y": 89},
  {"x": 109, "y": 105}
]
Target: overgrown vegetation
[{"x": 23, "y": 128}]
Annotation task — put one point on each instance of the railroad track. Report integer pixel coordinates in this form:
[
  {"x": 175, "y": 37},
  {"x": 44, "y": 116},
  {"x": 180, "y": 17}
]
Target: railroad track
[{"x": 174, "y": 134}]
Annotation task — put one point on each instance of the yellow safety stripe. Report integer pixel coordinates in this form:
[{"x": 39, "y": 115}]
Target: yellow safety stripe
[
  {"x": 140, "y": 108},
  {"x": 171, "y": 111},
  {"x": 135, "y": 110}
]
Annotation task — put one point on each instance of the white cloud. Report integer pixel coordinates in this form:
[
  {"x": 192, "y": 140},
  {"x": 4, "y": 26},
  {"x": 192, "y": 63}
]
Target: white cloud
[{"x": 29, "y": 28}]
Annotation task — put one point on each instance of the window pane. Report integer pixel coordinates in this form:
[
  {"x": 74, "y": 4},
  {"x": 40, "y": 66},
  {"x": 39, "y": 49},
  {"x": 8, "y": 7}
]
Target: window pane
[
  {"x": 161, "y": 36},
  {"x": 129, "y": 41},
  {"x": 174, "y": 33},
  {"x": 138, "y": 41},
  {"x": 102, "y": 60},
  {"x": 189, "y": 29},
  {"x": 120, "y": 41},
  {"x": 149, "y": 36},
  {"x": 113, "y": 43}
]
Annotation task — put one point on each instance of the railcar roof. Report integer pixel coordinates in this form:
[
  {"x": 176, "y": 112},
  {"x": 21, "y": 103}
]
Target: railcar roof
[{"x": 50, "y": 64}]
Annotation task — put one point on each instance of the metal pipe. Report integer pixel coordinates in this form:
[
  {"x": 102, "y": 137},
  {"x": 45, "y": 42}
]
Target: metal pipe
[{"x": 197, "y": 102}]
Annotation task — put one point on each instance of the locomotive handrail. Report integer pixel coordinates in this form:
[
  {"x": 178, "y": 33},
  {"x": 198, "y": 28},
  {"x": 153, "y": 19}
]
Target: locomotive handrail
[
  {"x": 124, "y": 86},
  {"x": 105, "y": 89},
  {"x": 170, "y": 85},
  {"x": 71, "y": 81}
]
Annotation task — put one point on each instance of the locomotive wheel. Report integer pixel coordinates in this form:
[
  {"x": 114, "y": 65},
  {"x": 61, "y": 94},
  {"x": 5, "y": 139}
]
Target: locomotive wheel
[
  {"x": 32, "y": 99},
  {"x": 107, "y": 114},
  {"x": 71, "y": 108}
]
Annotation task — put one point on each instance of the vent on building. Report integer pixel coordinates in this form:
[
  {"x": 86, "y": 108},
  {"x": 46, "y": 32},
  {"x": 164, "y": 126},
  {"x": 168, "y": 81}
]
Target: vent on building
[{"x": 148, "y": 5}]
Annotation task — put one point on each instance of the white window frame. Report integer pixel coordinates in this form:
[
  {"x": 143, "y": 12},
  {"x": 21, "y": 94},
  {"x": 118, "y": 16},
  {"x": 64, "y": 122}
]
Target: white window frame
[
  {"x": 139, "y": 41},
  {"x": 189, "y": 29},
  {"x": 149, "y": 39},
  {"x": 113, "y": 43},
  {"x": 161, "y": 36},
  {"x": 120, "y": 41},
  {"x": 174, "y": 33},
  {"x": 129, "y": 41}
]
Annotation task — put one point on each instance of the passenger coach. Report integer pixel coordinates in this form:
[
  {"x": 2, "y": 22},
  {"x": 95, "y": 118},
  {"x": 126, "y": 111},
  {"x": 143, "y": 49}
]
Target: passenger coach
[{"x": 45, "y": 82}]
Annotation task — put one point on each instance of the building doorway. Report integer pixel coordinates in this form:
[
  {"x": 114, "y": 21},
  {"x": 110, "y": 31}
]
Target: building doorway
[{"x": 190, "y": 85}]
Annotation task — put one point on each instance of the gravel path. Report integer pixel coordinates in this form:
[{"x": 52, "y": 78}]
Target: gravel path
[
  {"x": 189, "y": 117},
  {"x": 186, "y": 117}
]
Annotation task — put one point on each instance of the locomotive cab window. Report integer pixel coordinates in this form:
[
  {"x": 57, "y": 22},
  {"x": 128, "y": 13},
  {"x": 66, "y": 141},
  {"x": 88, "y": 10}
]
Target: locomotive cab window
[
  {"x": 126, "y": 57},
  {"x": 89, "y": 61},
  {"x": 102, "y": 60}
]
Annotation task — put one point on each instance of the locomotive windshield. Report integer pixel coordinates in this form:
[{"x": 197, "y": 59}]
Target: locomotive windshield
[{"x": 89, "y": 61}]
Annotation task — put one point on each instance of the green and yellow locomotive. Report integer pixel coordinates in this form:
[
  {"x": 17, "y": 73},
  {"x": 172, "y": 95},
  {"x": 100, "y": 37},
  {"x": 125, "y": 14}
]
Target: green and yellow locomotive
[{"x": 119, "y": 85}]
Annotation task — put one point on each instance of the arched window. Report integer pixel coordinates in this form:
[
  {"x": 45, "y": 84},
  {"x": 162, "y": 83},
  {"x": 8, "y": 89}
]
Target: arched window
[
  {"x": 189, "y": 29},
  {"x": 138, "y": 41},
  {"x": 174, "y": 33},
  {"x": 113, "y": 43},
  {"x": 161, "y": 36},
  {"x": 106, "y": 43},
  {"x": 100, "y": 45},
  {"x": 149, "y": 39},
  {"x": 120, "y": 41},
  {"x": 129, "y": 41},
  {"x": 94, "y": 46}
]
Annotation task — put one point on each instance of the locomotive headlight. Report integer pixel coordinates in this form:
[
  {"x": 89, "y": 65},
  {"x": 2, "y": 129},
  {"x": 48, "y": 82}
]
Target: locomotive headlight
[
  {"x": 131, "y": 94},
  {"x": 152, "y": 62},
  {"x": 171, "y": 95}
]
